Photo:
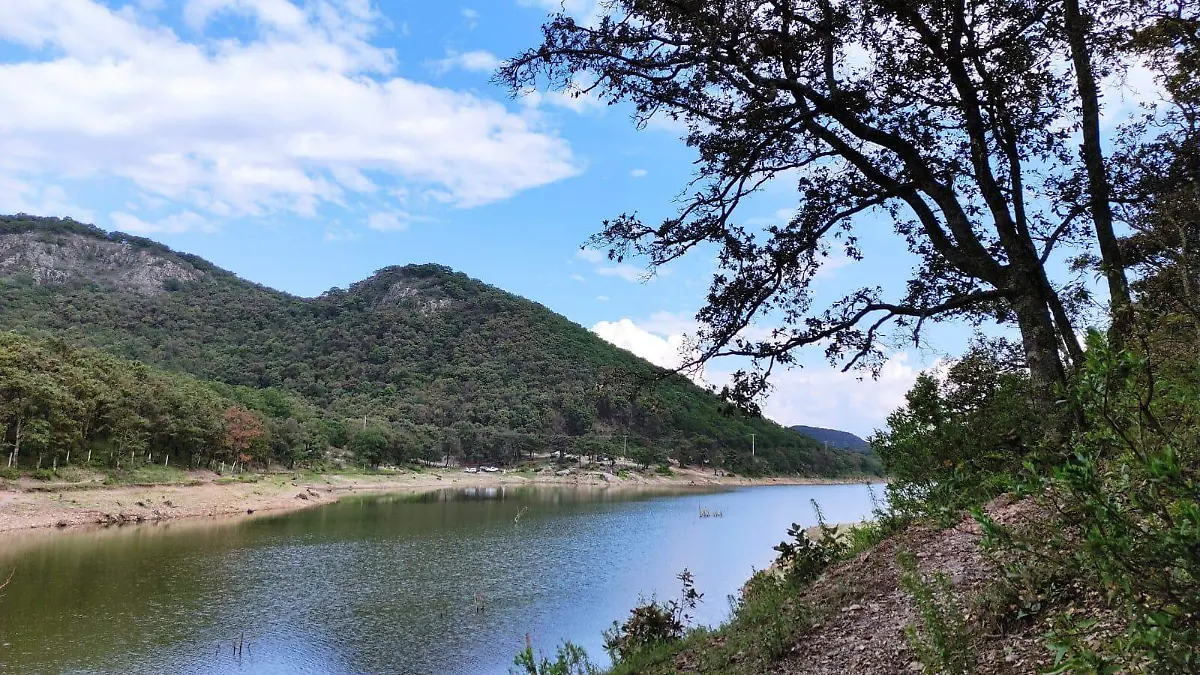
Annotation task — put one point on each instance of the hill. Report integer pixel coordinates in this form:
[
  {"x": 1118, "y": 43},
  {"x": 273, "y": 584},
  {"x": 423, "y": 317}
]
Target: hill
[
  {"x": 843, "y": 440},
  {"x": 433, "y": 361}
]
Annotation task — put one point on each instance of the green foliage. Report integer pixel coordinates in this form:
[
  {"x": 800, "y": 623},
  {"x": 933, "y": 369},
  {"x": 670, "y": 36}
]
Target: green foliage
[
  {"x": 1129, "y": 502},
  {"x": 448, "y": 364},
  {"x": 370, "y": 446},
  {"x": 959, "y": 441},
  {"x": 56, "y": 399},
  {"x": 804, "y": 558},
  {"x": 653, "y": 624},
  {"x": 942, "y": 639},
  {"x": 570, "y": 659}
]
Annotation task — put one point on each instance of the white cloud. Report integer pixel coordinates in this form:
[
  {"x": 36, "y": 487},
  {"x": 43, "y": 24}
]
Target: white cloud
[
  {"x": 590, "y": 255},
  {"x": 478, "y": 61},
  {"x": 176, "y": 223},
  {"x": 625, "y": 271},
  {"x": 638, "y": 173},
  {"x": 817, "y": 396},
  {"x": 471, "y": 17},
  {"x": 668, "y": 351},
  {"x": 390, "y": 221},
  {"x": 334, "y": 234},
  {"x": 670, "y": 323},
  {"x": 576, "y": 97},
  {"x": 630, "y": 273},
  {"x": 286, "y": 119},
  {"x": 17, "y": 196},
  {"x": 579, "y": 278},
  {"x": 826, "y": 397},
  {"x": 602, "y": 298}
]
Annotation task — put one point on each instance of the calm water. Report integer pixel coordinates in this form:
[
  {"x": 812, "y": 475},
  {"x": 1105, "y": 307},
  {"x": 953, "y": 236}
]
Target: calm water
[{"x": 384, "y": 584}]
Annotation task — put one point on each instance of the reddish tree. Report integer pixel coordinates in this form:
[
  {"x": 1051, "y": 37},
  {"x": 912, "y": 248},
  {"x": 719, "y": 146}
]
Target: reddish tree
[{"x": 242, "y": 430}]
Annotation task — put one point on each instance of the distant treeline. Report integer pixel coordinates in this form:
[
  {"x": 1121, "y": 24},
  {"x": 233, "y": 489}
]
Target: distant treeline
[{"x": 57, "y": 400}]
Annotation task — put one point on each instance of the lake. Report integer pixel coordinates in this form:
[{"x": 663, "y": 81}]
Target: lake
[{"x": 386, "y": 584}]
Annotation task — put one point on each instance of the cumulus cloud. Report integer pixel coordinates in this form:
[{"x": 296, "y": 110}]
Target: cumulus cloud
[
  {"x": 590, "y": 255},
  {"x": 605, "y": 268},
  {"x": 586, "y": 12},
  {"x": 17, "y": 196},
  {"x": 299, "y": 112},
  {"x": 817, "y": 395},
  {"x": 667, "y": 351},
  {"x": 826, "y": 397}
]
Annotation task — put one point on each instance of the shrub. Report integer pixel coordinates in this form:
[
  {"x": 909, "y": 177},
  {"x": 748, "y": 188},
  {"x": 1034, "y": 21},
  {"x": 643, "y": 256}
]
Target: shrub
[
  {"x": 959, "y": 441},
  {"x": 569, "y": 660},
  {"x": 653, "y": 623},
  {"x": 1129, "y": 496},
  {"x": 803, "y": 558}
]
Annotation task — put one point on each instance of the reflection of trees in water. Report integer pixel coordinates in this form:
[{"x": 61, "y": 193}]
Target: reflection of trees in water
[{"x": 544, "y": 495}]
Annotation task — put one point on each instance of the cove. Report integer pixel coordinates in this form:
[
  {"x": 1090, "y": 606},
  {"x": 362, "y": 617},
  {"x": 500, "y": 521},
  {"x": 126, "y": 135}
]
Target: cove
[{"x": 443, "y": 582}]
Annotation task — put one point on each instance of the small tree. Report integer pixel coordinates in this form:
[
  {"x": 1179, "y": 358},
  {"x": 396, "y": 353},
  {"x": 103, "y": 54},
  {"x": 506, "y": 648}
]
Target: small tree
[
  {"x": 370, "y": 446},
  {"x": 243, "y": 433}
]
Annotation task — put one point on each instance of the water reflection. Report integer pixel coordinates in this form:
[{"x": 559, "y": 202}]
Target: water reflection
[{"x": 384, "y": 583}]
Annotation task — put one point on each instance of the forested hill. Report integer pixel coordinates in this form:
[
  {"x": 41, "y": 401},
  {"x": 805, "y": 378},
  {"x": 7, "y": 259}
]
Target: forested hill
[
  {"x": 434, "y": 360},
  {"x": 834, "y": 437}
]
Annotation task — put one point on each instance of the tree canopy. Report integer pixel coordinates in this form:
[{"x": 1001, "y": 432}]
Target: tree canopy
[{"x": 950, "y": 121}]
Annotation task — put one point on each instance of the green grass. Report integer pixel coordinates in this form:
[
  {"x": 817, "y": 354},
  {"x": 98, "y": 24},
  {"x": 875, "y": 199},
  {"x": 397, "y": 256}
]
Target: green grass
[{"x": 150, "y": 474}]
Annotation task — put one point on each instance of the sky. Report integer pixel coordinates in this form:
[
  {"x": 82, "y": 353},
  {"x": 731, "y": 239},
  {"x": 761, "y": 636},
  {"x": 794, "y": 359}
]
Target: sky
[{"x": 305, "y": 144}]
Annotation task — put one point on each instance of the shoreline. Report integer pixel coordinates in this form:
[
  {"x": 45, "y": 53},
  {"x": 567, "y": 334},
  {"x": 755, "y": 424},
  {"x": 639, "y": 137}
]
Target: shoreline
[{"x": 29, "y": 505}]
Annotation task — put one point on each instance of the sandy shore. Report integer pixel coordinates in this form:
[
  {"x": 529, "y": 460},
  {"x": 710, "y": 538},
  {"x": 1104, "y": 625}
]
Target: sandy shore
[{"x": 31, "y": 505}]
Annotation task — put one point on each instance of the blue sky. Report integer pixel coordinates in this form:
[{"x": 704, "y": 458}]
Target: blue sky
[{"x": 305, "y": 144}]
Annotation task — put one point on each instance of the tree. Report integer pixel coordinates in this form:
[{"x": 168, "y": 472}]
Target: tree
[
  {"x": 243, "y": 431},
  {"x": 951, "y": 118},
  {"x": 370, "y": 446}
]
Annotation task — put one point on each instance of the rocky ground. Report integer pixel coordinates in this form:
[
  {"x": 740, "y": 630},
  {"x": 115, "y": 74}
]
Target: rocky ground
[{"x": 867, "y": 611}]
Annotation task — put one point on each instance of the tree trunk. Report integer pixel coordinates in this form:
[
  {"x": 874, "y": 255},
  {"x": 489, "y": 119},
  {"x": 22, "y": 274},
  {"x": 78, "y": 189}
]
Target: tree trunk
[
  {"x": 16, "y": 455},
  {"x": 1099, "y": 188},
  {"x": 1046, "y": 372}
]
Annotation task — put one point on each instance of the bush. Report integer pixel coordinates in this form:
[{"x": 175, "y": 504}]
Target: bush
[
  {"x": 652, "y": 624},
  {"x": 569, "y": 660},
  {"x": 803, "y": 558},
  {"x": 43, "y": 474},
  {"x": 958, "y": 442},
  {"x": 1129, "y": 499}
]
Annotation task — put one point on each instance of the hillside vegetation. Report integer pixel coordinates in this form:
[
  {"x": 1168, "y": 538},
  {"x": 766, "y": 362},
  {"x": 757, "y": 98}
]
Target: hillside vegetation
[{"x": 427, "y": 360}]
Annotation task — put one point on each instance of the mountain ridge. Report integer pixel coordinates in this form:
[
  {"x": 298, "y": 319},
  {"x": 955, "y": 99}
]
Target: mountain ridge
[
  {"x": 420, "y": 348},
  {"x": 835, "y": 437}
]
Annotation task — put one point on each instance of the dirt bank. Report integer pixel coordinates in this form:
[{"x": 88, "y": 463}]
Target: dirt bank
[{"x": 32, "y": 504}]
